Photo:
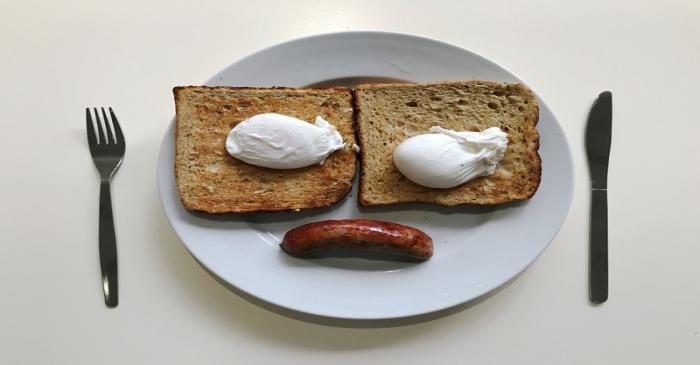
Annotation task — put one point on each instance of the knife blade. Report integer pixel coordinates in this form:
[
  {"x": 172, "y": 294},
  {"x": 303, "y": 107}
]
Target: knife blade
[{"x": 598, "y": 140}]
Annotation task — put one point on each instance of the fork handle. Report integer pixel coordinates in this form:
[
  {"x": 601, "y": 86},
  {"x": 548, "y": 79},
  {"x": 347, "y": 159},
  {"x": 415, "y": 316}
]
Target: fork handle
[{"x": 108, "y": 248}]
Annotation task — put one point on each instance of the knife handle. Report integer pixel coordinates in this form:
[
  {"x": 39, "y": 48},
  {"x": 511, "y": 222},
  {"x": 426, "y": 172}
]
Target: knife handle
[{"x": 599, "y": 247}]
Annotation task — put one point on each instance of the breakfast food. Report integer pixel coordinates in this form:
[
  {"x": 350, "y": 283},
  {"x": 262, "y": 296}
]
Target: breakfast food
[
  {"x": 388, "y": 114},
  {"x": 358, "y": 233},
  {"x": 444, "y": 158},
  {"x": 211, "y": 181},
  {"x": 279, "y": 141}
]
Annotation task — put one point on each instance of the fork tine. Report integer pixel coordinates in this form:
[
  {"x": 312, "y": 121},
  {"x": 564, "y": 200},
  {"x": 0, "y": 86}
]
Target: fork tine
[
  {"x": 101, "y": 134},
  {"x": 110, "y": 136},
  {"x": 92, "y": 140},
  {"x": 117, "y": 128}
]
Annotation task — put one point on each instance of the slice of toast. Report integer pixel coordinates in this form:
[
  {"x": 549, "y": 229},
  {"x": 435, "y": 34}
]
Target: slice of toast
[
  {"x": 212, "y": 181},
  {"x": 388, "y": 114}
]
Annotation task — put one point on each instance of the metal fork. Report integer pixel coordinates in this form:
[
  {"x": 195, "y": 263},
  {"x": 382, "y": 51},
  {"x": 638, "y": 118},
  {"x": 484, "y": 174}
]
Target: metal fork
[{"x": 107, "y": 150}]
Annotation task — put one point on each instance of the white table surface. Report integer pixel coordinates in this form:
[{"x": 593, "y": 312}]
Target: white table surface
[{"x": 58, "y": 57}]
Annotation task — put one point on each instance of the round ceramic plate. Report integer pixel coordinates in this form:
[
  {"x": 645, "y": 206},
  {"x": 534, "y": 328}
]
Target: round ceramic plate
[{"x": 476, "y": 249}]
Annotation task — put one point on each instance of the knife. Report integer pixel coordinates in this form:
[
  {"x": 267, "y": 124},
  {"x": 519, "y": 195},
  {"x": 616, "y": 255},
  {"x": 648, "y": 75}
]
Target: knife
[{"x": 598, "y": 135}]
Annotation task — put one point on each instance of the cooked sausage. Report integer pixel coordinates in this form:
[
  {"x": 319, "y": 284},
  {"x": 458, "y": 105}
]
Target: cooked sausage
[{"x": 359, "y": 233}]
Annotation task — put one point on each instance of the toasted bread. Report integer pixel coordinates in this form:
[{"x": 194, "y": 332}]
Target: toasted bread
[
  {"x": 211, "y": 181},
  {"x": 388, "y": 114}
]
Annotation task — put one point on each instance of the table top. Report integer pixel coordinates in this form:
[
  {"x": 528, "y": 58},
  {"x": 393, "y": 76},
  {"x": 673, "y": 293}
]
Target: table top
[{"x": 60, "y": 57}]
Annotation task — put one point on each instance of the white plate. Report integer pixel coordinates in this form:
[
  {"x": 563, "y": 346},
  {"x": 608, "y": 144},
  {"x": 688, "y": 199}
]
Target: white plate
[{"x": 476, "y": 250}]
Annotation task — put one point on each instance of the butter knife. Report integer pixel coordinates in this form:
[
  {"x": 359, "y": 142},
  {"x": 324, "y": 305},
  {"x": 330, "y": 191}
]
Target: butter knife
[{"x": 598, "y": 136}]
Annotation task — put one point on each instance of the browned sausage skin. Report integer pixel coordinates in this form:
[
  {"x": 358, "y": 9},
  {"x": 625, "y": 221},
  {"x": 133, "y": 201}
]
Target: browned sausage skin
[{"x": 359, "y": 233}]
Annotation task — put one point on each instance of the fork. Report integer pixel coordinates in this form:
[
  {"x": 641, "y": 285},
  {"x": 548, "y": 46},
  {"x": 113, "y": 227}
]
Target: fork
[{"x": 107, "y": 150}]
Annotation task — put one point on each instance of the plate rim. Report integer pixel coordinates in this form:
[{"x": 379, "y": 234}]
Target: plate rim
[{"x": 413, "y": 37}]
